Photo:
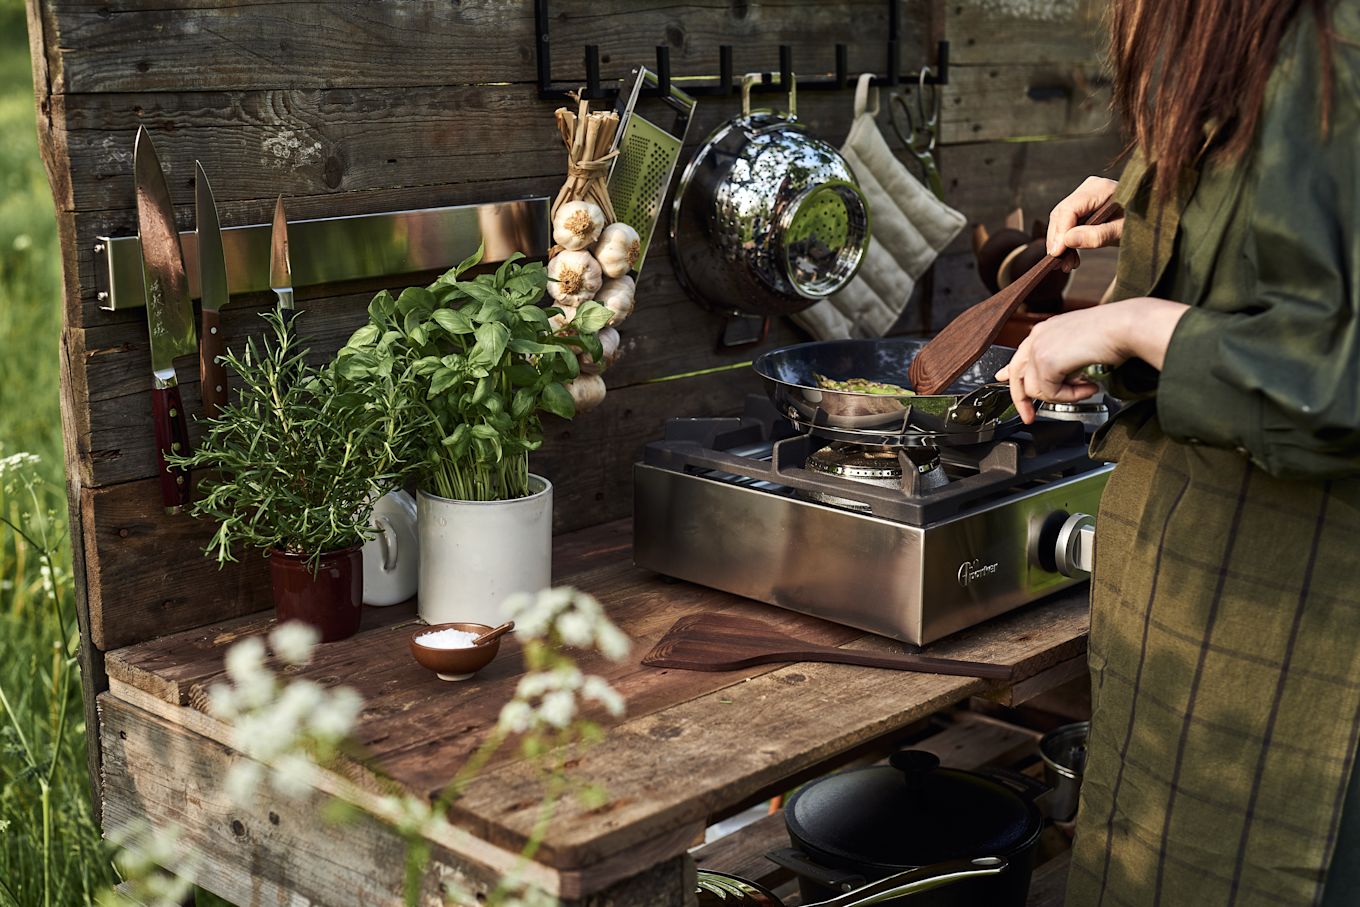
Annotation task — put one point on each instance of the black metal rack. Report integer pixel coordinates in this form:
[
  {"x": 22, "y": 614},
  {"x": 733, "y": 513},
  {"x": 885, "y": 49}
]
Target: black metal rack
[{"x": 727, "y": 84}]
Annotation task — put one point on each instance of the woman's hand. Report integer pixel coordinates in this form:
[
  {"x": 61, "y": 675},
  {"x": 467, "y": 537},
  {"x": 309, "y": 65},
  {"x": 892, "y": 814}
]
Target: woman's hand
[
  {"x": 1045, "y": 365},
  {"x": 1063, "y": 232}
]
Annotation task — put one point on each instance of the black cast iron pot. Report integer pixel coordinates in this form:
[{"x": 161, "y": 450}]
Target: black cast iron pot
[{"x": 863, "y": 825}]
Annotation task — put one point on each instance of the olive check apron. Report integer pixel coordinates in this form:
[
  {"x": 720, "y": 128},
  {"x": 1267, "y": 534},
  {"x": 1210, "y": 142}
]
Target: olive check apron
[{"x": 1225, "y": 619}]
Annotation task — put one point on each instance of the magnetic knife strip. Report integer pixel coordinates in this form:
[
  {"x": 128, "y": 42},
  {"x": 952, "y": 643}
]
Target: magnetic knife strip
[{"x": 330, "y": 250}]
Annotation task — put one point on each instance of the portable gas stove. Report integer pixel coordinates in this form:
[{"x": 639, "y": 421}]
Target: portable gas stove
[{"x": 912, "y": 541}]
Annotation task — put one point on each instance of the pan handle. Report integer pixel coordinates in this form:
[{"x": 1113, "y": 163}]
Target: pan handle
[
  {"x": 799, "y": 864},
  {"x": 980, "y": 406},
  {"x": 916, "y": 881}
]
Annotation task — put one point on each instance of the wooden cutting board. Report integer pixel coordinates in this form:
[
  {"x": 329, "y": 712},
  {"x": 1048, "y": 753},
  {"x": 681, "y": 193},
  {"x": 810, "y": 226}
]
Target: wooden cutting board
[{"x": 724, "y": 642}]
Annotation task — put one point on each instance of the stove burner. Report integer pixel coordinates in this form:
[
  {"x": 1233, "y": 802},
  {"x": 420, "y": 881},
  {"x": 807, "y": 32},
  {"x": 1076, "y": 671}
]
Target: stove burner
[
  {"x": 1091, "y": 413},
  {"x": 871, "y": 465},
  {"x": 913, "y": 470}
]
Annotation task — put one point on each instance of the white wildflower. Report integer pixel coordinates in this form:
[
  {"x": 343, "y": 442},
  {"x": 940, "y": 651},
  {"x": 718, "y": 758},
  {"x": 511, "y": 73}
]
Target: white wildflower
[
  {"x": 517, "y": 716},
  {"x": 222, "y": 701},
  {"x": 245, "y": 660},
  {"x": 612, "y": 642},
  {"x": 294, "y": 775},
  {"x": 531, "y": 620},
  {"x": 530, "y": 896},
  {"x": 16, "y": 462},
  {"x": 535, "y": 684},
  {"x": 294, "y": 708},
  {"x": 242, "y": 780},
  {"x": 145, "y": 847},
  {"x": 576, "y": 628},
  {"x": 264, "y": 735},
  {"x": 567, "y": 677},
  {"x": 597, "y": 689},
  {"x": 336, "y": 715},
  {"x": 535, "y": 614},
  {"x": 164, "y": 890},
  {"x": 294, "y": 641},
  {"x": 408, "y": 815},
  {"x": 558, "y": 708}
]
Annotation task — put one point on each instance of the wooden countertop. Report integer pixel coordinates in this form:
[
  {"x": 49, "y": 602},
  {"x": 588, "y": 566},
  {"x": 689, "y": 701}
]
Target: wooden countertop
[{"x": 691, "y": 744}]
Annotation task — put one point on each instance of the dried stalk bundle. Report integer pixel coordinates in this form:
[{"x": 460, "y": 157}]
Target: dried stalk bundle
[{"x": 588, "y": 136}]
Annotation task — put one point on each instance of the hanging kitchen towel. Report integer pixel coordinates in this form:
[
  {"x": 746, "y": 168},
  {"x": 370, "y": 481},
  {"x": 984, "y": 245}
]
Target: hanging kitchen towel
[{"x": 910, "y": 227}]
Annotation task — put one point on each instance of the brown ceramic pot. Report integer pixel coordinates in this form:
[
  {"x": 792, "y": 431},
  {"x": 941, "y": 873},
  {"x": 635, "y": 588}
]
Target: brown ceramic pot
[{"x": 330, "y": 600}]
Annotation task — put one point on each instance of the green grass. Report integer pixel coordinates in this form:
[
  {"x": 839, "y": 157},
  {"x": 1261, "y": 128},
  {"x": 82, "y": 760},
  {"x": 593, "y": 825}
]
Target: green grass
[{"x": 50, "y": 853}]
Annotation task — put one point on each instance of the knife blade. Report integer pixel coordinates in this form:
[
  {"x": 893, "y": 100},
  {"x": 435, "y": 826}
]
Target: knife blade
[
  {"x": 169, "y": 315},
  {"x": 280, "y": 270},
  {"x": 212, "y": 282}
]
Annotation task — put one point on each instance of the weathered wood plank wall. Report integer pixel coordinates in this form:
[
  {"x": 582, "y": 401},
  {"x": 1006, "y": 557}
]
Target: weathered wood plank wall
[{"x": 364, "y": 107}]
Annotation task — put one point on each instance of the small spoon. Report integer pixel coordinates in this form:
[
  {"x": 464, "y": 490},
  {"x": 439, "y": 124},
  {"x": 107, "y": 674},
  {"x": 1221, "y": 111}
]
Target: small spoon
[
  {"x": 963, "y": 341},
  {"x": 495, "y": 633}
]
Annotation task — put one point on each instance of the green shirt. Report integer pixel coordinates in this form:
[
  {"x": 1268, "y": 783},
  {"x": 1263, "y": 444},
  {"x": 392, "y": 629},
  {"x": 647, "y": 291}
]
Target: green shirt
[{"x": 1266, "y": 250}]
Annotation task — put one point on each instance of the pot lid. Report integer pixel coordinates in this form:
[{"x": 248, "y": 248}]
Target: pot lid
[{"x": 910, "y": 813}]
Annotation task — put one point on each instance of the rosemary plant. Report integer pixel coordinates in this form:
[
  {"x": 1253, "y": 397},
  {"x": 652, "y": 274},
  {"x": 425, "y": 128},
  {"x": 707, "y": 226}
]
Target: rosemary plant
[
  {"x": 466, "y": 367},
  {"x": 296, "y": 462}
]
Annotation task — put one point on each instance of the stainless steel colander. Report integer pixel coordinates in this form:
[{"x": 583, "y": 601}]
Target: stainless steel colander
[{"x": 767, "y": 220}]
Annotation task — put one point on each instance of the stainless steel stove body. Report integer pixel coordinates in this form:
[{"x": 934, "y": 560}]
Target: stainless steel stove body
[{"x": 744, "y": 505}]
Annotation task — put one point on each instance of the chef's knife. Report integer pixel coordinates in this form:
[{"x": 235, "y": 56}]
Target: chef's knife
[
  {"x": 169, "y": 315},
  {"x": 212, "y": 282},
  {"x": 280, "y": 271}
]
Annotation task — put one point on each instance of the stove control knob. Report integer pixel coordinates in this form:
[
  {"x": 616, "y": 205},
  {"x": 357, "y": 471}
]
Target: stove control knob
[{"x": 1074, "y": 552}]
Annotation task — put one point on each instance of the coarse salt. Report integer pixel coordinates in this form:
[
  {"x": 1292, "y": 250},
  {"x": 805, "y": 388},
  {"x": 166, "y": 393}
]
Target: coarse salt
[{"x": 448, "y": 639}]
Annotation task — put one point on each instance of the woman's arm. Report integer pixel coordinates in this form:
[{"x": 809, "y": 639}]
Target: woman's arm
[{"x": 1057, "y": 348}]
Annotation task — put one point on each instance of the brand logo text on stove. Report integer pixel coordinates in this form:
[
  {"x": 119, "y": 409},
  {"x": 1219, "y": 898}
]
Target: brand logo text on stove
[{"x": 974, "y": 570}]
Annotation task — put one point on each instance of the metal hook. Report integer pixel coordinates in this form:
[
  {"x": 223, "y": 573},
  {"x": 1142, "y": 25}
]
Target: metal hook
[
  {"x": 592, "y": 70},
  {"x": 663, "y": 70}
]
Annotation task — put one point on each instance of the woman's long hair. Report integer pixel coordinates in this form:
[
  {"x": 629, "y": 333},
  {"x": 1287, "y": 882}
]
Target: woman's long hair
[{"x": 1182, "y": 64}]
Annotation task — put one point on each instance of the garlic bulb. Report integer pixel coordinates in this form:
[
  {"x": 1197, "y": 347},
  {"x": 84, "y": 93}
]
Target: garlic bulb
[
  {"x": 587, "y": 391},
  {"x": 609, "y": 340},
  {"x": 573, "y": 277},
  {"x": 616, "y": 294},
  {"x": 618, "y": 250},
  {"x": 559, "y": 322},
  {"x": 577, "y": 225}
]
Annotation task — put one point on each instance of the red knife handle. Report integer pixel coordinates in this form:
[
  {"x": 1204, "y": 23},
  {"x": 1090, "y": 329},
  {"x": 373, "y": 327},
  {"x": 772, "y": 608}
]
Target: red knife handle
[
  {"x": 172, "y": 436},
  {"x": 212, "y": 376}
]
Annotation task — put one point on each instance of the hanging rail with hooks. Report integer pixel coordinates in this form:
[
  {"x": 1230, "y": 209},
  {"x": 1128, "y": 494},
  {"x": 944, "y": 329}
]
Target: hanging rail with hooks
[{"x": 727, "y": 82}]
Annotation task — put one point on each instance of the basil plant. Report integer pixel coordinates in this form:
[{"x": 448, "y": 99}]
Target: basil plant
[{"x": 470, "y": 366}]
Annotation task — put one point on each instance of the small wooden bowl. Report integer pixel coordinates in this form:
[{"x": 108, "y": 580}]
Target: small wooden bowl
[{"x": 454, "y": 664}]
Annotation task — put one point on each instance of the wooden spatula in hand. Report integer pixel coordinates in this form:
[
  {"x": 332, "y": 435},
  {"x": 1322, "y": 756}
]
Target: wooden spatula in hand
[
  {"x": 724, "y": 642},
  {"x": 963, "y": 341}
]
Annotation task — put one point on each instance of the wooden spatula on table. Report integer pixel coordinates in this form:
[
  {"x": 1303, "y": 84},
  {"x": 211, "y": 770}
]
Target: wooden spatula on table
[
  {"x": 724, "y": 642},
  {"x": 939, "y": 363}
]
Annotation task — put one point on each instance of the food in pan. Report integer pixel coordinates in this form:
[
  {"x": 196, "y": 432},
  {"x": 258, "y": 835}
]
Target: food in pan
[{"x": 861, "y": 386}]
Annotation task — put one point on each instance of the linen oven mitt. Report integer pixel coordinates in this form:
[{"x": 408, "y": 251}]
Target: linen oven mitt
[{"x": 909, "y": 228}]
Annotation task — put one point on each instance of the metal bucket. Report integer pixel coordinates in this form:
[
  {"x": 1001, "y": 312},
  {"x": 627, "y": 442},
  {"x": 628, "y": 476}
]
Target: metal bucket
[
  {"x": 767, "y": 220},
  {"x": 1064, "y": 752}
]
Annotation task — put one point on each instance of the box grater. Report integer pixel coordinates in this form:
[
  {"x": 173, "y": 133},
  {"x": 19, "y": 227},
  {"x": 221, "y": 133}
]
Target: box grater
[{"x": 641, "y": 174}]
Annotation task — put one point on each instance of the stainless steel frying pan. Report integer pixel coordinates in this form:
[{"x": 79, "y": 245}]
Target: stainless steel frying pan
[{"x": 975, "y": 409}]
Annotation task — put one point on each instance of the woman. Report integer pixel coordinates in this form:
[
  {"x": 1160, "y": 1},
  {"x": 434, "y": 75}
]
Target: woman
[{"x": 1225, "y": 625}]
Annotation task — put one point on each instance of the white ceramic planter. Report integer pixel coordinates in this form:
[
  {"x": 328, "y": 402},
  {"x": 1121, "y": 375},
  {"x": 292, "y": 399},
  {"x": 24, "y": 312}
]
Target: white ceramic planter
[
  {"x": 475, "y": 554},
  {"x": 392, "y": 556}
]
